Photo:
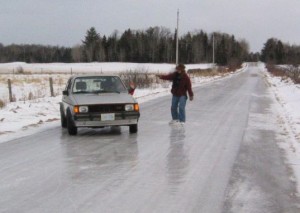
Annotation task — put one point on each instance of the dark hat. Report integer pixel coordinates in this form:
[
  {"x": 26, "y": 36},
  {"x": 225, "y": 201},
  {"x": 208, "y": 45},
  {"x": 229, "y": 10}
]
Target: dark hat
[{"x": 180, "y": 67}]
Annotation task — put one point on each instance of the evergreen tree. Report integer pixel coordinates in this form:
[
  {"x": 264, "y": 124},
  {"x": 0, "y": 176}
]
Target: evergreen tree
[
  {"x": 92, "y": 45},
  {"x": 279, "y": 53},
  {"x": 268, "y": 52},
  {"x": 221, "y": 52}
]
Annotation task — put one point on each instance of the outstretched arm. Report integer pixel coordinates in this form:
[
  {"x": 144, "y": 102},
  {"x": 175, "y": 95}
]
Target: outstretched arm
[
  {"x": 131, "y": 88},
  {"x": 166, "y": 77}
]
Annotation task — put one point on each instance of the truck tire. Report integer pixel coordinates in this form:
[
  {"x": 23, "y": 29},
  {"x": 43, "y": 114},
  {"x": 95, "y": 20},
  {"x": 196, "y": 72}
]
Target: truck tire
[
  {"x": 63, "y": 118},
  {"x": 72, "y": 129},
  {"x": 133, "y": 128}
]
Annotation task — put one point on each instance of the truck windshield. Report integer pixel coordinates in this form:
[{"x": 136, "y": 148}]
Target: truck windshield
[{"x": 98, "y": 84}]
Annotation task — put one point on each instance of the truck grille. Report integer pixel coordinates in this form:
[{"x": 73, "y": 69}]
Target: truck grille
[{"x": 107, "y": 108}]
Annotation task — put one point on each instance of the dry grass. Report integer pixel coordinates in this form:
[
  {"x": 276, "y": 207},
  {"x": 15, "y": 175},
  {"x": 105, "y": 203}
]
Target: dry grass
[
  {"x": 202, "y": 72},
  {"x": 2, "y": 104},
  {"x": 292, "y": 72},
  {"x": 276, "y": 71},
  {"x": 140, "y": 79},
  {"x": 32, "y": 87}
]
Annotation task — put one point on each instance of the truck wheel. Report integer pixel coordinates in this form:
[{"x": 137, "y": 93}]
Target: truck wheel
[
  {"x": 133, "y": 128},
  {"x": 72, "y": 129},
  {"x": 63, "y": 119}
]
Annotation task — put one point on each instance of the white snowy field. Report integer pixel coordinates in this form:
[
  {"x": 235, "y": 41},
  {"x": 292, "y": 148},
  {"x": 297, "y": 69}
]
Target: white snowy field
[
  {"x": 40, "y": 112},
  {"x": 90, "y": 67}
]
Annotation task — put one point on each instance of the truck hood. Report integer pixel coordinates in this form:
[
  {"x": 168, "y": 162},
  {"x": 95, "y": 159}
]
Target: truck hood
[{"x": 103, "y": 98}]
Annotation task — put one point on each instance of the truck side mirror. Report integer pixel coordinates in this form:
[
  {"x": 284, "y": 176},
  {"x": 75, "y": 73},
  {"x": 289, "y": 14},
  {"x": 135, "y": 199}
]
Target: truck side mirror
[{"x": 65, "y": 92}]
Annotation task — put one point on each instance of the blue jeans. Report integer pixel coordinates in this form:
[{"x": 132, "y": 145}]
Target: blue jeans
[{"x": 178, "y": 108}]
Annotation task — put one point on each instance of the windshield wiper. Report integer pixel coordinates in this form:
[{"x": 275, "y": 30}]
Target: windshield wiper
[
  {"x": 106, "y": 91},
  {"x": 79, "y": 92},
  {"x": 111, "y": 91}
]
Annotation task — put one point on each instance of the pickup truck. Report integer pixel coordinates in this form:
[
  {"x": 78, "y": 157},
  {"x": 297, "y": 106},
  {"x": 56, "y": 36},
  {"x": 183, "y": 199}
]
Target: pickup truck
[{"x": 98, "y": 101}]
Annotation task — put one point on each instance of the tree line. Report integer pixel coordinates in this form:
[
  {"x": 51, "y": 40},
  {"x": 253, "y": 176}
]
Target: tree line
[
  {"x": 277, "y": 52},
  {"x": 153, "y": 45},
  {"x": 34, "y": 53}
]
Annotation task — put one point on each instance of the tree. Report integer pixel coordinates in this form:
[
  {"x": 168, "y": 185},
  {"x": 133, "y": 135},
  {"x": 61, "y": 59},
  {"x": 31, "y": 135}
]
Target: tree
[
  {"x": 126, "y": 46},
  {"x": 77, "y": 51},
  {"x": 279, "y": 53},
  {"x": 92, "y": 45},
  {"x": 112, "y": 50},
  {"x": 221, "y": 56},
  {"x": 268, "y": 52}
]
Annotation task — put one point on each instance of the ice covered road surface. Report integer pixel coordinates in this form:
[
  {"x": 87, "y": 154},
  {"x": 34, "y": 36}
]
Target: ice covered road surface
[{"x": 224, "y": 160}]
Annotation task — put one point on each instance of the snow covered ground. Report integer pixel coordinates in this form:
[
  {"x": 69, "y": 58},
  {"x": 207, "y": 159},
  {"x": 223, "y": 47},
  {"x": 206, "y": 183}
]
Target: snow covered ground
[
  {"x": 91, "y": 67},
  {"x": 287, "y": 108},
  {"x": 24, "y": 117}
]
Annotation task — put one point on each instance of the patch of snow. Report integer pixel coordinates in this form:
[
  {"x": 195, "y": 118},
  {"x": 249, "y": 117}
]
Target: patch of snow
[{"x": 287, "y": 105}]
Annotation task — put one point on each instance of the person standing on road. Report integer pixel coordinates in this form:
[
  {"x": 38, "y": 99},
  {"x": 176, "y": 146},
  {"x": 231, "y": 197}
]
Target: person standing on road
[{"x": 180, "y": 87}]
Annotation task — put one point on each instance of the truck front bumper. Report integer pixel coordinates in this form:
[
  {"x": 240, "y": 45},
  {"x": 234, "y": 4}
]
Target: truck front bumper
[{"x": 115, "y": 119}]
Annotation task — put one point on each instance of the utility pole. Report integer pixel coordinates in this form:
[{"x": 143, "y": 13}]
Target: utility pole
[
  {"x": 177, "y": 32},
  {"x": 213, "y": 49},
  {"x": 24, "y": 53}
]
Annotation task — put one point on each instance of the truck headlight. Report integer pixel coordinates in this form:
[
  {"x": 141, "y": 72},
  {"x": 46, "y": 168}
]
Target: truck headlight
[
  {"x": 83, "y": 109},
  {"x": 129, "y": 107}
]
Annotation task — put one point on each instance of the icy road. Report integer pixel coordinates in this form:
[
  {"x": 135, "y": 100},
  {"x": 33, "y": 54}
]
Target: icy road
[{"x": 225, "y": 159}]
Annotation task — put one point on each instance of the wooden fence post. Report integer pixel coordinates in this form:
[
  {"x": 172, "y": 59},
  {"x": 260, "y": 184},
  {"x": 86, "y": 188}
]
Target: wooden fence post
[
  {"x": 10, "y": 91},
  {"x": 51, "y": 86}
]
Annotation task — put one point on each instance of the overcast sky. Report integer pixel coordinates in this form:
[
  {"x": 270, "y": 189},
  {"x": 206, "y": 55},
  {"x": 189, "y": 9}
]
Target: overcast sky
[{"x": 65, "y": 22}]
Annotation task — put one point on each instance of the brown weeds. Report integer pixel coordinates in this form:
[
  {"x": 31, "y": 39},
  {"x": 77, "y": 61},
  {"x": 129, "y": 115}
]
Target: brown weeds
[{"x": 2, "y": 103}]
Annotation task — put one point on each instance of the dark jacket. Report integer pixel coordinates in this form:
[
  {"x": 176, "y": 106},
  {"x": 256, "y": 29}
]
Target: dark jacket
[
  {"x": 131, "y": 91},
  {"x": 181, "y": 83}
]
